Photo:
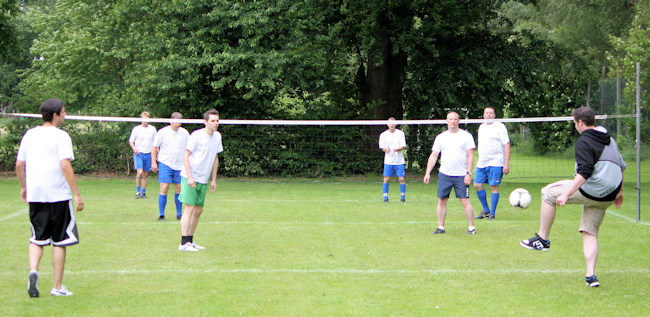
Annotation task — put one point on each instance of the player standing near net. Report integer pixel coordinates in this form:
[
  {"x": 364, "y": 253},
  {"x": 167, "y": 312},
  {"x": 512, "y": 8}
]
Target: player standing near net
[
  {"x": 393, "y": 143},
  {"x": 200, "y": 163},
  {"x": 456, "y": 149},
  {"x": 597, "y": 184},
  {"x": 141, "y": 140},
  {"x": 493, "y": 161},
  {"x": 168, "y": 149},
  {"x": 46, "y": 180}
]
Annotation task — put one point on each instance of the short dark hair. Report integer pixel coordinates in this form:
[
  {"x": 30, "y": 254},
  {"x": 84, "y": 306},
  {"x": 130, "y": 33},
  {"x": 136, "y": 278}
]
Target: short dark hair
[
  {"x": 176, "y": 115},
  {"x": 207, "y": 114},
  {"x": 49, "y": 107},
  {"x": 586, "y": 114}
]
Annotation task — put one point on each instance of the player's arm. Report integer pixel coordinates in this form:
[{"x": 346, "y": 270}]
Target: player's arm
[
  {"x": 506, "y": 166},
  {"x": 433, "y": 158},
  {"x": 186, "y": 163},
  {"x": 470, "y": 166},
  {"x": 577, "y": 182},
  {"x": 619, "y": 197},
  {"x": 215, "y": 168},
  {"x": 20, "y": 173},
  {"x": 68, "y": 172},
  {"x": 154, "y": 159},
  {"x": 132, "y": 145}
]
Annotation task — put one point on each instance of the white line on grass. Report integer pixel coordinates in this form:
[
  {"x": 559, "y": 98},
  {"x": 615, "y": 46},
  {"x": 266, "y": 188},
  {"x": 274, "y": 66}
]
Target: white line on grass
[
  {"x": 628, "y": 218},
  {"x": 15, "y": 214},
  {"x": 346, "y": 271}
]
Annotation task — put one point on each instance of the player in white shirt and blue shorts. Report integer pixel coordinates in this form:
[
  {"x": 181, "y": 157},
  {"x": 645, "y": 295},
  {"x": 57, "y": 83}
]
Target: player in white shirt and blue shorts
[
  {"x": 393, "y": 143},
  {"x": 141, "y": 140}
]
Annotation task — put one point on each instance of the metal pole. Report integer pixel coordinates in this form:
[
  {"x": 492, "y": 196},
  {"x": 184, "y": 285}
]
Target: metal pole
[
  {"x": 638, "y": 141},
  {"x": 602, "y": 91},
  {"x": 618, "y": 100}
]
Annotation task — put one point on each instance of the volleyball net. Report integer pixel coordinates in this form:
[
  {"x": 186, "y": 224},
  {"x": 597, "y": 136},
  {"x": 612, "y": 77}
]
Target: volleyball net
[{"x": 541, "y": 147}]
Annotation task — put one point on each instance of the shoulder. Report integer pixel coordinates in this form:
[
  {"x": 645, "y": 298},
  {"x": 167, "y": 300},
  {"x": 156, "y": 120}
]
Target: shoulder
[{"x": 183, "y": 130}]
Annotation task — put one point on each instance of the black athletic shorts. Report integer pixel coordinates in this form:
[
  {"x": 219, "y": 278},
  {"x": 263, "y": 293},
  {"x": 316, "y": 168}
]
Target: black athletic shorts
[{"x": 53, "y": 223}]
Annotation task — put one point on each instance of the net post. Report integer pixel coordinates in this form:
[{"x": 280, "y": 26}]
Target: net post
[{"x": 638, "y": 142}]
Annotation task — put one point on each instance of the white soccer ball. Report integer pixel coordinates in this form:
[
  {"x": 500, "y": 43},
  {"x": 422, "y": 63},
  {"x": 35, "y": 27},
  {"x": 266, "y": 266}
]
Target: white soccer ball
[{"x": 520, "y": 198}]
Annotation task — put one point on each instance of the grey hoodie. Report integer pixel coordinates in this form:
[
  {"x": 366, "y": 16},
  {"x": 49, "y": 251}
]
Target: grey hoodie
[{"x": 600, "y": 163}]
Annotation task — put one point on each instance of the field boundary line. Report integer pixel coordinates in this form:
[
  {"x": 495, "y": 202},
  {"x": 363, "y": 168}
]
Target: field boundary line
[
  {"x": 14, "y": 215},
  {"x": 344, "y": 271},
  {"x": 628, "y": 218}
]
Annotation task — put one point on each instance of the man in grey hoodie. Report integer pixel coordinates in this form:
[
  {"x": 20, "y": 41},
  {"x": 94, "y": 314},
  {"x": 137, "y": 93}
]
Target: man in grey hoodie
[{"x": 597, "y": 184}]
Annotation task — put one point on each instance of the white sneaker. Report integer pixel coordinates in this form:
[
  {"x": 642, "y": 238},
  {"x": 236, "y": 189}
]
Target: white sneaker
[
  {"x": 61, "y": 292},
  {"x": 187, "y": 247},
  {"x": 198, "y": 247}
]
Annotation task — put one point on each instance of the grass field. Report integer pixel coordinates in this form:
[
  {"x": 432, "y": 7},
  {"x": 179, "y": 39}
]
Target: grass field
[{"x": 326, "y": 248}]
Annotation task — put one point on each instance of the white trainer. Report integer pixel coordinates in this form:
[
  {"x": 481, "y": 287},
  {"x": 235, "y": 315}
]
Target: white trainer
[
  {"x": 61, "y": 292},
  {"x": 198, "y": 247},
  {"x": 187, "y": 247}
]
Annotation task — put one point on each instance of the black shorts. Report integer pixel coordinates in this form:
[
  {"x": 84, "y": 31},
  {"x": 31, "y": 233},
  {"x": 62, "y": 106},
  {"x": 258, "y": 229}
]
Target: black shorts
[{"x": 53, "y": 223}]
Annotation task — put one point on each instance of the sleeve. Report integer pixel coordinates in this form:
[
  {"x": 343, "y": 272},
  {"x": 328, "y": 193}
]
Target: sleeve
[
  {"x": 133, "y": 133},
  {"x": 403, "y": 141},
  {"x": 470, "y": 142},
  {"x": 191, "y": 143},
  {"x": 64, "y": 149},
  {"x": 381, "y": 141},
  {"x": 220, "y": 146},
  {"x": 157, "y": 140},
  {"x": 584, "y": 159},
  {"x": 505, "y": 139},
  {"x": 22, "y": 156},
  {"x": 437, "y": 147}
]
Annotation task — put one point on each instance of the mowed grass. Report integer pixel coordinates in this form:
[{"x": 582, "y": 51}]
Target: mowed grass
[{"x": 325, "y": 249}]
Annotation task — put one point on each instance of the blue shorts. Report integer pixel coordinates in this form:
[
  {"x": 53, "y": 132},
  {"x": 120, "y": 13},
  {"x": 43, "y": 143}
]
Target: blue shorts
[
  {"x": 167, "y": 175},
  {"x": 446, "y": 182},
  {"x": 399, "y": 170},
  {"x": 142, "y": 161},
  {"x": 489, "y": 174}
]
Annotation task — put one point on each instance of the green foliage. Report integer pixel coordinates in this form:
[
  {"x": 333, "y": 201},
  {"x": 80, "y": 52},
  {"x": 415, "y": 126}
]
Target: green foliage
[
  {"x": 11, "y": 132},
  {"x": 305, "y": 151},
  {"x": 101, "y": 147}
]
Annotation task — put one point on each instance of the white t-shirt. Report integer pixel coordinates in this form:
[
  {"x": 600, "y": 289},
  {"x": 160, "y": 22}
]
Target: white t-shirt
[
  {"x": 171, "y": 146},
  {"x": 395, "y": 140},
  {"x": 143, "y": 137},
  {"x": 453, "y": 149},
  {"x": 491, "y": 141},
  {"x": 204, "y": 148},
  {"x": 42, "y": 149}
]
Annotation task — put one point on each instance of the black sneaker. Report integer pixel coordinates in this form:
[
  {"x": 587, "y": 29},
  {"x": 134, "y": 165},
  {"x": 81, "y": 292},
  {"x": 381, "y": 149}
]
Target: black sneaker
[
  {"x": 491, "y": 217},
  {"x": 592, "y": 281},
  {"x": 386, "y": 200},
  {"x": 143, "y": 196},
  {"x": 483, "y": 214},
  {"x": 536, "y": 243},
  {"x": 403, "y": 200},
  {"x": 32, "y": 285},
  {"x": 178, "y": 217},
  {"x": 137, "y": 196},
  {"x": 161, "y": 218},
  {"x": 439, "y": 231}
]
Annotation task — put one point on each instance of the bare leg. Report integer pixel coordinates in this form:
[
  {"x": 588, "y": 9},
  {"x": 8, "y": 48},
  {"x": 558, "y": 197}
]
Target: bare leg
[
  {"x": 58, "y": 263},
  {"x": 442, "y": 211},
  {"x": 195, "y": 219},
  {"x": 590, "y": 249},
  {"x": 494, "y": 188},
  {"x": 164, "y": 188},
  {"x": 177, "y": 188},
  {"x": 469, "y": 211},
  {"x": 35, "y": 255},
  {"x": 145, "y": 176},
  {"x": 478, "y": 187},
  {"x": 138, "y": 177},
  {"x": 547, "y": 216},
  {"x": 185, "y": 220}
]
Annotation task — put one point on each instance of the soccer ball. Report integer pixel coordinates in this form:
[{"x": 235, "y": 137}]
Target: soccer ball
[{"x": 520, "y": 198}]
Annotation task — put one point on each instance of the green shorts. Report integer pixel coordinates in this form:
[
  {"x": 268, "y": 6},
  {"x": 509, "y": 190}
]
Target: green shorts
[{"x": 192, "y": 196}]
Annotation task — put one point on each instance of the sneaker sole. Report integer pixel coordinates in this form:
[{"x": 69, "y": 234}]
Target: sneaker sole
[
  {"x": 596, "y": 284},
  {"x": 33, "y": 288},
  {"x": 531, "y": 248}
]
